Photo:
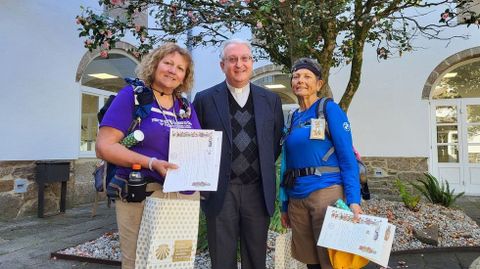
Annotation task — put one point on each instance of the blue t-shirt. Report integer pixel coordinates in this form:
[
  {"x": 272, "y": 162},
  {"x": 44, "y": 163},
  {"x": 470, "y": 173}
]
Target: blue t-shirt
[
  {"x": 156, "y": 128},
  {"x": 302, "y": 152}
]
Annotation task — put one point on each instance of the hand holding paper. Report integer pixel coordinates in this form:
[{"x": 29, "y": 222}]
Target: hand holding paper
[
  {"x": 371, "y": 237},
  {"x": 197, "y": 153}
]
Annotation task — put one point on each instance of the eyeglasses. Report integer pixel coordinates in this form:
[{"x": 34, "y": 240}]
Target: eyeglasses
[{"x": 234, "y": 60}]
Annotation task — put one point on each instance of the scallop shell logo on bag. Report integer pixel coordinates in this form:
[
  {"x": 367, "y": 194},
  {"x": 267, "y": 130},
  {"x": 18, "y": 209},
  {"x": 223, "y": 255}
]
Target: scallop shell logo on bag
[{"x": 162, "y": 252}]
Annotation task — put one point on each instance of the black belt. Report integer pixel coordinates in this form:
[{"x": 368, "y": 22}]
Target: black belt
[
  {"x": 291, "y": 175},
  {"x": 149, "y": 180}
]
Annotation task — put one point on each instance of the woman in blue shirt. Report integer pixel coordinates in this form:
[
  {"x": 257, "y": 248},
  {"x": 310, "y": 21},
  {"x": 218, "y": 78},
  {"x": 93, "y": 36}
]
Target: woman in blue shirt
[{"x": 320, "y": 166}]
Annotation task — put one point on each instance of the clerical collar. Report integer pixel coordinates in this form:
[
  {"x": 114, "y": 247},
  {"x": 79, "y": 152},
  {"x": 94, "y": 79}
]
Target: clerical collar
[
  {"x": 240, "y": 94},
  {"x": 234, "y": 90}
]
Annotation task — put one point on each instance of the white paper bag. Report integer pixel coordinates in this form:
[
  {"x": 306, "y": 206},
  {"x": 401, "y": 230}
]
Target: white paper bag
[
  {"x": 283, "y": 253},
  {"x": 168, "y": 233}
]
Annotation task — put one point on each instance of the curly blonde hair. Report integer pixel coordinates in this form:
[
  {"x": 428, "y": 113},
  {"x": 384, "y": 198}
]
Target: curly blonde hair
[{"x": 147, "y": 67}]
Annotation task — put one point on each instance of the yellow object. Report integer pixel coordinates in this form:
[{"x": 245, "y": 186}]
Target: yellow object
[{"x": 344, "y": 260}]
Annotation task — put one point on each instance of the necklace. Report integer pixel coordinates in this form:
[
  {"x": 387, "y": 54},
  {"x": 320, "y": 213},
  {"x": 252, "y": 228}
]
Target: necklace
[
  {"x": 161, "y": 92},
  {"x": 165, "y": 113}
]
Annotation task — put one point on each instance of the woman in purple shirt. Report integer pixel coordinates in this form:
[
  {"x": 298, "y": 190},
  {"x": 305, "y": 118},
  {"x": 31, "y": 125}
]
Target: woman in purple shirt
[{"x": 168, "y": 71}]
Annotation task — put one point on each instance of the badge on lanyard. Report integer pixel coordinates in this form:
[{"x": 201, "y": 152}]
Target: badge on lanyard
[{"x": 317, "y": 129}]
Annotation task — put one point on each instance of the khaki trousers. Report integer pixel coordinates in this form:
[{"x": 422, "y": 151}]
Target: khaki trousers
[
  {"x": 129, "y": 218},
  {"x": 306, "y": 219}
]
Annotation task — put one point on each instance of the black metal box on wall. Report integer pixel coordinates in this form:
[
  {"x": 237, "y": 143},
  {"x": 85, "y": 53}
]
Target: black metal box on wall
[{"x": 50, "y": 172}]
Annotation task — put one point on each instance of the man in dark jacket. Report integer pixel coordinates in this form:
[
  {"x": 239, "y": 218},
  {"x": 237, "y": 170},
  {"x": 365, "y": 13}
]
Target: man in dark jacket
[{"x": 251, "y": 119}]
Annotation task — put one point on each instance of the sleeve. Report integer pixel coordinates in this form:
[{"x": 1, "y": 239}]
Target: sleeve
[
  {"x": 120, "y": 113},
  {"x": 197, "y": 105},
  {"x": 341, "y": 136},
  {"x": 194, "y": 118}
]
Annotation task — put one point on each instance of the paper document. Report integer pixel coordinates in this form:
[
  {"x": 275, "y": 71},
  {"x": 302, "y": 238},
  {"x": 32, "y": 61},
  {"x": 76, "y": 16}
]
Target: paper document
[
  {"x": 371, "y": 238},
  {"x": 197, "y": 153}
]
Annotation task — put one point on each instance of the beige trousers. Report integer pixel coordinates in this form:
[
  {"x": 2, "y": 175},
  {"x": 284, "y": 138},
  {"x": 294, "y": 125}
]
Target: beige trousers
[
  {"x": 306, "y": 219},
  {"x": 129, "y": 217}
]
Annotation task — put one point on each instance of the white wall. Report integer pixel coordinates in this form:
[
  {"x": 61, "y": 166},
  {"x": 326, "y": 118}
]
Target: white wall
[
  {"x": 388, "y": 116},
  {"x": 40, "y": 101}
]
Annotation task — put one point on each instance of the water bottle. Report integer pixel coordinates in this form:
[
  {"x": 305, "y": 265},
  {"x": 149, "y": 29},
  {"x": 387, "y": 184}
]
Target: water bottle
[{"x": 136, "y": 185}]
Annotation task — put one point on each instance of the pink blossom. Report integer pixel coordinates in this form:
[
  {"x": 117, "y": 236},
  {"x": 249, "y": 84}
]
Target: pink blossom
[
  {"x": 88, "y": 42},
  {"x": 106, "y": 45},
  {"x": 138, "y": 28},
  {"x": 246, "y": 1},
  {"x": 190, "y": 14},
  {"x": 445, "y": 15},
  {"x": 109, "y": 34},
  {"x": 223, "y": 1},
  {"x": 259, "y": 24},
  {"x": 104, "y": 54},
  {"x": 116, "y": 2},
  {"x": 79, "y": 20}
]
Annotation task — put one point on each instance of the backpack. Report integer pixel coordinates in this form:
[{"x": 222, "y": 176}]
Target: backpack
[
  {"x": 104, "y": 181},
  {"x": 321, "y": 108},
  {"x": 105, "y": 171}
]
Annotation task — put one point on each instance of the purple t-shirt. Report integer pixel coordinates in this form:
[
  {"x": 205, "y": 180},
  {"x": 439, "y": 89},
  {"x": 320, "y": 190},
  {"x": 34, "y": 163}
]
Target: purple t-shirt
[{"x": 156, "y": 128}]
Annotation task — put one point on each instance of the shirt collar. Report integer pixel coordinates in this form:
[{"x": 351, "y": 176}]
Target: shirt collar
[{"x": 239, "y": 91}]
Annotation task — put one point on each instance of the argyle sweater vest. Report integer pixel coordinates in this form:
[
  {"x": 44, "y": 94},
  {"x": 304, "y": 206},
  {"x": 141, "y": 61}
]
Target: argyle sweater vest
[{"x": 245, "y": 167}]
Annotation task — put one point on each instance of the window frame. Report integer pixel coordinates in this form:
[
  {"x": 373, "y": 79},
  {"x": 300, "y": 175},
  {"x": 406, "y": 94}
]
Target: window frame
[{"x": 102, "y": 96}]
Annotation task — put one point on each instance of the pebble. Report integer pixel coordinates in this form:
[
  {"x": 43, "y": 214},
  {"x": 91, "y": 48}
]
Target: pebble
[{"x": 456, "y": 230}]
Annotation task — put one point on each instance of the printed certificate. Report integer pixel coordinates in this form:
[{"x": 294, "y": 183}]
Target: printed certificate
[
  {"x": 197, "y": 153},
  {"x": 371, "y": 238}
]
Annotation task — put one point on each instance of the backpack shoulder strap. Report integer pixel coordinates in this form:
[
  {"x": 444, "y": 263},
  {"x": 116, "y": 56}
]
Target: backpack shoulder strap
[
  {"x": 288, "y": 123},
  {"x": 322, "y": 107},
  {"x": 143, "y": 102},
  {"x": 321, "y": 114}
]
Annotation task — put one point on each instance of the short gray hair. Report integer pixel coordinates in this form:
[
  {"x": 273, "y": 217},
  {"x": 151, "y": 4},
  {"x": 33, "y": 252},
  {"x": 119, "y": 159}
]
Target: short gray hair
[{"x": 233, "y": 41}]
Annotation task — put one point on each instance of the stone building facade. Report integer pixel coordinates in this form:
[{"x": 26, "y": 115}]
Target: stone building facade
[
  {"x": 80, "y": 188},
  {"x": 382, "y": 172}
]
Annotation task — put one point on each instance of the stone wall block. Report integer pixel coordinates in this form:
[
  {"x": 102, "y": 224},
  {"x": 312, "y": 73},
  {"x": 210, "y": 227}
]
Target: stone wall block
[
  {"x": 410, "y": 176},
  {"x": 84, "y": 170},
  {"x": 27, "y": 172},
  {"x": 30, "y": 207},
  {"x": 6, "y": 185},
  {"x": 399, "y": 164},
  {"x": 419, "y": 164},
  {"x": 10, "y": 204},
  {"x": 71, "y": 193},
  {"x": 5, "y": 172},
  {"x": 32, "y": 191},
  {"x": 392, "y": 172},
  {"x": 84, "y": 193}
]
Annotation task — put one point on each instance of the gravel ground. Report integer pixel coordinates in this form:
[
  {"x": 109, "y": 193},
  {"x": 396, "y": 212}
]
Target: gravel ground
[{"x": 456, "y": 230}]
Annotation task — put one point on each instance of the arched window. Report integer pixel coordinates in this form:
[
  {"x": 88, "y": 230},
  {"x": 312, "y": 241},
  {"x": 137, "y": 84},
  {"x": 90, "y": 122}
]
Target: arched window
[
  {"x": 271, "y": 77},
  {"x": 462, "y": 81},
  {"x": 99, "y": 79}
]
